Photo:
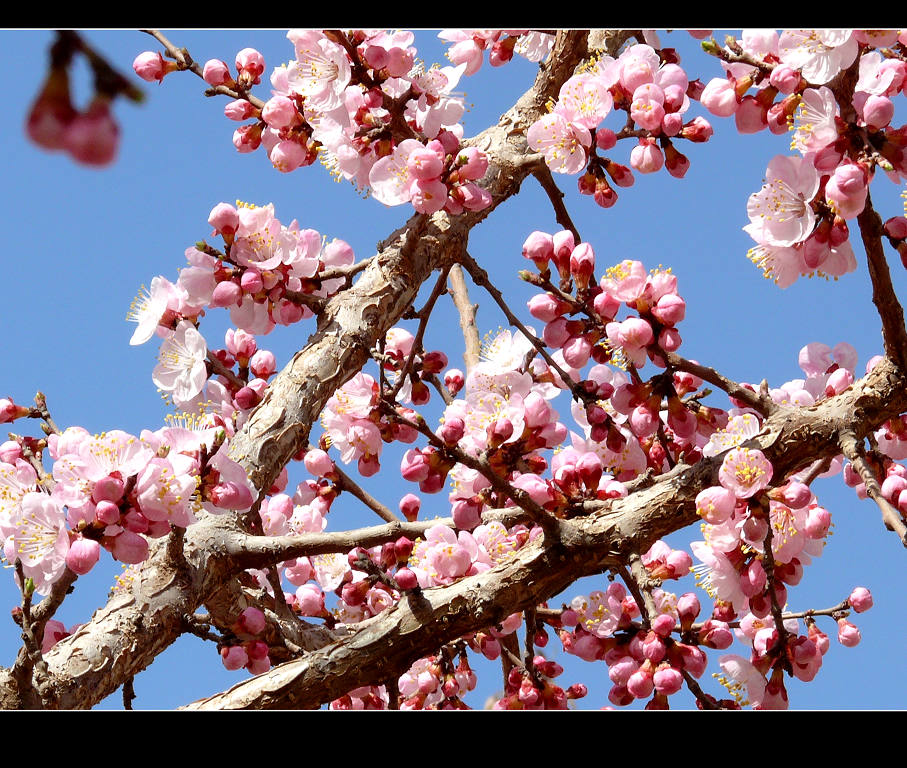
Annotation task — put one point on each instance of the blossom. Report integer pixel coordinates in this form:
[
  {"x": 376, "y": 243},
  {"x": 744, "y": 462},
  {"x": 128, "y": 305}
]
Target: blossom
[
  {"x": 181, "y": 369},
  {"x": 745, "y": 471},
  {"x": 780, "y": 213},
  {"x": 818, "y": 53},
  {"x": 562, "y": 142},
  {"x": 40, "y": 540},
  {"x": 815, "y": 120},
  {"x": 150, "y": 308},
  {"x": 321, "y": 71}
]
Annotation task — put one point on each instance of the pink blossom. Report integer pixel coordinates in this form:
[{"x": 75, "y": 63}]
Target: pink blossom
[
  {"x": 562, "y": 142},
  {"x": 780, "y": 213},
  {"x": 181, "y": 369},
  {"x": 719, "y": 97},
  {"x": 745, "y": 471},
  {"x": 818, "y": 53}
]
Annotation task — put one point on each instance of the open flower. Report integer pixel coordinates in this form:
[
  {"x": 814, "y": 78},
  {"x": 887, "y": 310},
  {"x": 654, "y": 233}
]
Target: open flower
[
  {"x": 780, "y": 212},
  {"x": 745, "y": 471},
  {"x": 181, "y": 371}
]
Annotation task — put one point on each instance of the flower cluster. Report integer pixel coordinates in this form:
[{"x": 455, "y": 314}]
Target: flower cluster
[
  {"x": 798, "y": 218},
  {"x": 364, "y": 104},
  {"x": 646, "y": 83}
]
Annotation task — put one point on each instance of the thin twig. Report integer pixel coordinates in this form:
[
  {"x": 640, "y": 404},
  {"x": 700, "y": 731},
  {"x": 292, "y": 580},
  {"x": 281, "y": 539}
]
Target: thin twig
[
  {"x": 217, "y": 367},
  {"x": 423, "y": 315},
  {"x": 755, "y": 400},
  {"x": 543, "y": 174},
  {"x": 637, "y": 581},
  {"x": 128, "y": 693},
  {"x": 345, "y": 483},
  {"x": 185, "y": 62}
]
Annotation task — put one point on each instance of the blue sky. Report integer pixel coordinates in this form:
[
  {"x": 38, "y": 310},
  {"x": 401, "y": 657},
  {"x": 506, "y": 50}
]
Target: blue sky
[{"x": 80, "y": 242}]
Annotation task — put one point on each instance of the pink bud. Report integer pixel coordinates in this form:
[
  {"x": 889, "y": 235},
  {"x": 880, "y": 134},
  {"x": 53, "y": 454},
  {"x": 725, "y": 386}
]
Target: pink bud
[
  {"x": 452, "y": 430},
  {"x": 667, "y": 680},
  {"x": 878, "y": 111},
  {"x": 646, "y": 157},
  {"x": 151, "y": 66},
  {"x": 130, "y": 548},
  {"x": 860, "y": 599},
  {"x": 217, "y": 72},
  {"x": 234, "y": 657},
  {"x": 785, "y": 78},
  {"x": 539, "y": 247},
  {"x": 406, "y": 579},
  {"x": 848, "y": 634},
  {"x": 251, "y": 63},
  {"x": 231, "y": 495},
  {"x": 226, "y": 294},
  {"x": 82, "y": 555},
  {"x": 318, "y": 463},
  {"x": 454, "y": 380},
  {"x": 751, "y": 116},
  {"x": 846, "y": 190},
  {"x": 818, "y": 521},
  {"x": 279, "y": 112},
  {"x": 467, "y": 513},
  {"x": 409, "y": 506},
  {"x": 252, "y": 621},
  {"x": 896, "y": 227},
  {"x": 719, "y": 97}
]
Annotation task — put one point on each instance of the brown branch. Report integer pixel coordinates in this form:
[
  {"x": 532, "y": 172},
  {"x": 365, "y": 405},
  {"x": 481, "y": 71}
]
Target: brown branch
[
  {"x": 128, "y": 693},
  {"x": 345, "y": 483},
  {"x": 884, "y": 297},
  {"x": 246, "y": 551},
  {"x": 467, "y": 311},
  {"x": 561, "y": 215},
  {"x": 638, "y": 582},
  {"x": 853, "y": 449},
  {"x": 756, "y": 400},
  {"x": 217, "y": 367}
]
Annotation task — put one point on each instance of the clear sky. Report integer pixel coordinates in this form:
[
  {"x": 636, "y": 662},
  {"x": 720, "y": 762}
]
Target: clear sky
[{"x": 80, "y": 243}]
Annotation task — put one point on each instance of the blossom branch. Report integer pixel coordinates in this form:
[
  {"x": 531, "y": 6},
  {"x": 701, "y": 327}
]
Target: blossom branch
[
  {"x": 246, "y": 551},
  {"x": 853, "y": 449},
  {"x": 836, "y": 611},
  {"x": 758, "y": 401},
  {"x": 538, "y": 513},
  {"x": 185, "y": 62}
]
